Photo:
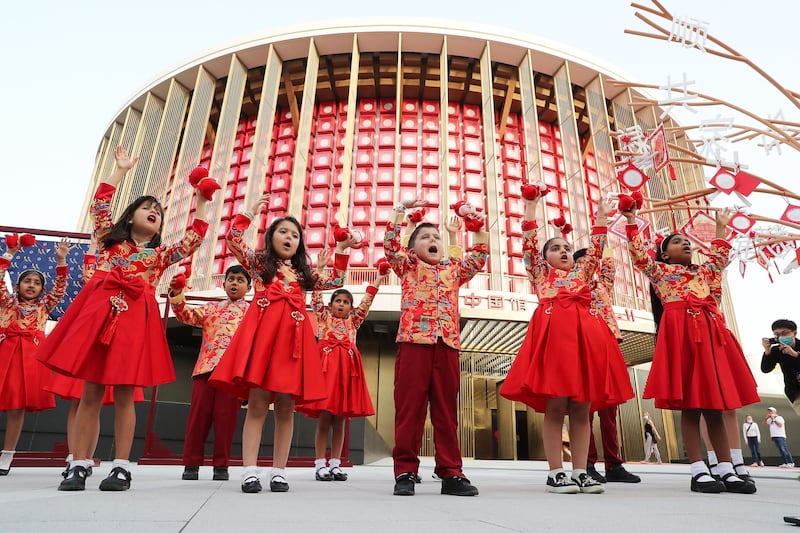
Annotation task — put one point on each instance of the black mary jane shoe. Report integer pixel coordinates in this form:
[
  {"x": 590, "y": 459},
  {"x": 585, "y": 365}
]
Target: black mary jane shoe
[
  {"x": 337, "y": 474},
  {"x": 737, "y": 485},
  {"x": 323, "y": 474},
  {"x": 251, "y": 485},
  {"x": 278, "y": 484},
  {"x": 714, "y": 486}
]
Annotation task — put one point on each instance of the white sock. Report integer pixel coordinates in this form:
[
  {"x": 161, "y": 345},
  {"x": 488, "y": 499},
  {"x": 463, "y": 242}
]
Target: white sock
[
  {"x": 86, "y": 463},
  {"x": 249, "y": 471},
  {"x": 278, "y": 472},
  {"x": 5, "y": 459},
  {"x": 576, "y": 472},
  {"x": 554, "y": 473},
  {"x": 712, "y": 457},
  {"x": 699, "y": 467},
  {"x": 122, "y": 463},
  {"x": 741, "y": 470},
  {"x": 334, "y": 463},
  {"x": 725, "y": 468},
  {"x": 70, "y": 457},
  {"x": 736, "y": 456},
  {"x": 319, "y": 463}
]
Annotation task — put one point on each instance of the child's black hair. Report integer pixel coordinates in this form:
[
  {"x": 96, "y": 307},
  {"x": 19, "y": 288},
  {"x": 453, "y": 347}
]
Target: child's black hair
[
  {"x": 338, "y": 292},
  {"x": 416, "y": 230},
  {"x": 579, "y": 253},
  {"x": 121, "y": 230},
  {"x": 25, "y": 273},
  {"x": 238, "y": 269},
  {"x": 655, "y": 302},
  {"x": 267, "y": 259}
]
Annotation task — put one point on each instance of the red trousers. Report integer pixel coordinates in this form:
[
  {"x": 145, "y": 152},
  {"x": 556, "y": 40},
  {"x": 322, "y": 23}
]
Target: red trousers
[
  {"x": 210, "y": 405},
  {"x": 423, "y": 374},
  {"x": 608, "y": 432}
]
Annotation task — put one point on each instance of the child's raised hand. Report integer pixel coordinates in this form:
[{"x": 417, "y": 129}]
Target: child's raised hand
[
  {"x": 414, "y": 202},
  {"x": 124, "y": 162},
  {"x": 381, "y": 280},
  {"x": 604, "y": 208},
  {"x": 723, "y": 217},
  {"x": 92, "y": 244},
  {"x": 352, "y": 241},
  {"x": 629, "y": 214},
  {"x": 61, "y": 250},
  {"x": 322, "y": 259},
  {"x": 259, "y": 206},
  {"x": 452, "y": 224}
]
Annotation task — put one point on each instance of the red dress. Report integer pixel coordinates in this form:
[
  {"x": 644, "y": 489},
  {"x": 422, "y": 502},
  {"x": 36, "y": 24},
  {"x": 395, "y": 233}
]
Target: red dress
[
  {"x": 568, "y": 350},
  {"x": 697, "y": 363},
  {"x": 275, "y": 348},
  {"x": 72, "y": 388},
  {"x": 22, "y": 377},
  {"x": 348, "y": 394},
  {"x": 135, "y": 351}
]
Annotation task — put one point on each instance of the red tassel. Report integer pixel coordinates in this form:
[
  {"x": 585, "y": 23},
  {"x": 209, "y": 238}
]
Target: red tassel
[
  {"x": 672, "y": 175},
  {"x": 118, "y": 305},
  {"x": 674, "y": 220}
]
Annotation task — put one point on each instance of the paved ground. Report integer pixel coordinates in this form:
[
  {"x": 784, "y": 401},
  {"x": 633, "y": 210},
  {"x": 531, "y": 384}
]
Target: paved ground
[{"x": 512, "y": 499}]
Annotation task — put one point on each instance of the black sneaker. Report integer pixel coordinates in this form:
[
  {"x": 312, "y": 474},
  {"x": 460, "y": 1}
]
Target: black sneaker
[
  {"x": 117, "y": 480},
  {"x": 592, "y": 471},
  {"x": 735, "y": 484},
  {"x": 337, "y": 474},
  {"x": 587, "y": 484},
  {"x": 714, "y": 486},
  {"x": 618, "y": 474},
  {"x": 417, "y": 478},
  {"x": 220, "y": 473},
  {"x": 561, "y": 484},
  {"x": 251, "y": 485},
  {"x": 404, "y": 484},
  {"x": 191, "y": 473},
  {"x": 75, "y": 479},
  {"x": 458, "y": 486},
  {"x": 278, "y": 483}
]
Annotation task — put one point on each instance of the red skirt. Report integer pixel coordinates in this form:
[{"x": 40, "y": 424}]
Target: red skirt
[
  {"x": 70, "y": 389},
  {"x": 698, "y": 363},
  {"x": 346, "y": 386},
  {"x": 274, "y": 351},
  {"x": 137, "y": 354},
  {"x": 568, "y": 352},
  {"x": 22, "y": 377}
]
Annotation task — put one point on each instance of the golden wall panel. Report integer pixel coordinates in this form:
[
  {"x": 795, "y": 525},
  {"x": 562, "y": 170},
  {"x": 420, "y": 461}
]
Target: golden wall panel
[
  {"x": 166, "y": 143},
  {"x": 300, "y": 164}
]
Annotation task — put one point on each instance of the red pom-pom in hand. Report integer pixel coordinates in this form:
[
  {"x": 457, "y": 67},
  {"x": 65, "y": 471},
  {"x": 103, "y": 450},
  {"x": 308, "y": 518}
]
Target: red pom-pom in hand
[
  {"x": 416, "y": 216},
  {"x": 559, "y": 221},
  {"x": 566, "y": 229},
  {"x": 638, "y": 199},
  {"x": 473, "y": 224},
  {"x": 626, "y": 202},
  {"x": 359, "y": 239},
  {"x": 383, "y": 266},
  {"x": 12, "y": 241},
  {"x": 197, "y": 174},
  {"x": 339, "y": 234},
  {"x": 26, "y": 239},
  {"x": 534, "y": 190},
  {"x": 179, "y": 280}
]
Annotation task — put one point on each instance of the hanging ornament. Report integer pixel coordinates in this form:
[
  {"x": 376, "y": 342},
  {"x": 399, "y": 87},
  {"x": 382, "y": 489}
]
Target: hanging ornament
[
  {"x": 632, "y": 178},
  {"x": 741, "y": 223},
  {"x": 792, "y": 214}
]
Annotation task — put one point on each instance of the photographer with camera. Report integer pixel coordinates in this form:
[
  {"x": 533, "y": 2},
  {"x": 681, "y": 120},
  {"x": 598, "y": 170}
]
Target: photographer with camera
[{"x": 782, "y": 349}]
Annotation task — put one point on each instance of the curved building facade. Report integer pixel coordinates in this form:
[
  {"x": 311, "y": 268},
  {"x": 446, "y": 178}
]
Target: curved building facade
[{"x": 338, "y": 122}]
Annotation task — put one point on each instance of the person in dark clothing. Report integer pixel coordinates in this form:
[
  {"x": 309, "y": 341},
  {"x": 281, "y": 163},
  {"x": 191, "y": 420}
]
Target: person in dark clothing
[{"x": 782, "y": 349}]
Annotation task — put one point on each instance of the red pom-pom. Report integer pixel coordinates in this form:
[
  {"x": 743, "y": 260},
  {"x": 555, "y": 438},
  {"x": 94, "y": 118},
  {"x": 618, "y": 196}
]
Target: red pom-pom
[
  {"x": 528, "y": 225},
  {"x": 626, "y": 202},
  {"x": 26, "y": 239},
  {"x": 383, "y": 266},
  {"x": 339, "y": 234},
  {"x": 197, "y": 174},
  {"x": 473, "y": 224},
  {"x": 179, "y": 281},
  {"x": 566, "y": 229},
  {"x": 207, "y": 186},
  {"x": 534, "y": 190},
  {"x": 638, "y": 198},
  {"x": 12, "y": 241},
  {"x": 559, "y": 221},
  {"x": 416, "y": 216}
]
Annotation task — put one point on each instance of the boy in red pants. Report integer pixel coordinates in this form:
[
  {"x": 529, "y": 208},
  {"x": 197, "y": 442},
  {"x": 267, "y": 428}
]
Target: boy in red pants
[
  {"x": 219, "y": 321},
  {"x": 427, "y": 364}
]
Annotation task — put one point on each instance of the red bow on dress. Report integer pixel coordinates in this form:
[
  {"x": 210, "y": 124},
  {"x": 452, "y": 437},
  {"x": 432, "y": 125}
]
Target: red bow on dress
[
  {"x": 295, "y": 298},
  {"x": 128, "y": 289}
]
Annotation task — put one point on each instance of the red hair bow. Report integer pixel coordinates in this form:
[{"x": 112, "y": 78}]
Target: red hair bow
[{"x": 199, "y": 179}]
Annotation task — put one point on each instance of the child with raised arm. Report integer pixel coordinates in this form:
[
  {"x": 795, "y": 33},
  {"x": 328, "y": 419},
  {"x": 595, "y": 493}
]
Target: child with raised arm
[
  {"x": 112, "y": 333},
  {"x": 427, "y": 365},
  {"x": 273, "y": 357},
  {"x": 569, "y": 363},
  {"x": 698, "y": 366},
  {"x": 219, "y": 322},
  {"x": 23, "y": 317},
  {"x": 348, "y": 395}
]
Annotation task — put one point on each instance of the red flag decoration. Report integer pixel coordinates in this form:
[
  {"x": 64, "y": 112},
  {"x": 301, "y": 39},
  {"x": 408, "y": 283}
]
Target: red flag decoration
[
  {"x": 792, "y": 214},
  {"x": 658, "y": 147},
  {"x": 632, "y": 178},
  {"x": 739, "y": 182},
  {"x": 741, "y": 223}
]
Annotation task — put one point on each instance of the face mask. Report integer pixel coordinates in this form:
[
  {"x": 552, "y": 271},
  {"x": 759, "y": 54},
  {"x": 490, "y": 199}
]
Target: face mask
[{"x": 786, "y": 340}]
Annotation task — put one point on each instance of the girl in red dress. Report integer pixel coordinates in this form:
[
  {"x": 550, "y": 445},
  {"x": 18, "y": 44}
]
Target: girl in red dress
[
  {"x": 71, "y": 389},
  {"x": 698, "y": 366},
  {"x": 23, "y": 317},
  {"x": 273, "y": 355},
  {"x": 112, "y": 334},
  {"x": 570, "y": 363},
  {"x": 348, "y": 395}
]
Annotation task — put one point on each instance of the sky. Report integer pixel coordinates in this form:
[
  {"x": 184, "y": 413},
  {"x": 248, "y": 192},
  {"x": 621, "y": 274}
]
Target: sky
[{"x": 69, "y": 67}]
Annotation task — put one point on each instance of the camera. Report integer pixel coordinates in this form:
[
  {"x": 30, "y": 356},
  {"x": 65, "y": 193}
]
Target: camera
[{"x": 774, "y": 342}]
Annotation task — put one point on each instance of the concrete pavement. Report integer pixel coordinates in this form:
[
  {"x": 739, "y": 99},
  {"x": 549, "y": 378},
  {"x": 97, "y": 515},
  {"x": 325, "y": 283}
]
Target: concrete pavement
[{"x": 512, "y": 498}]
